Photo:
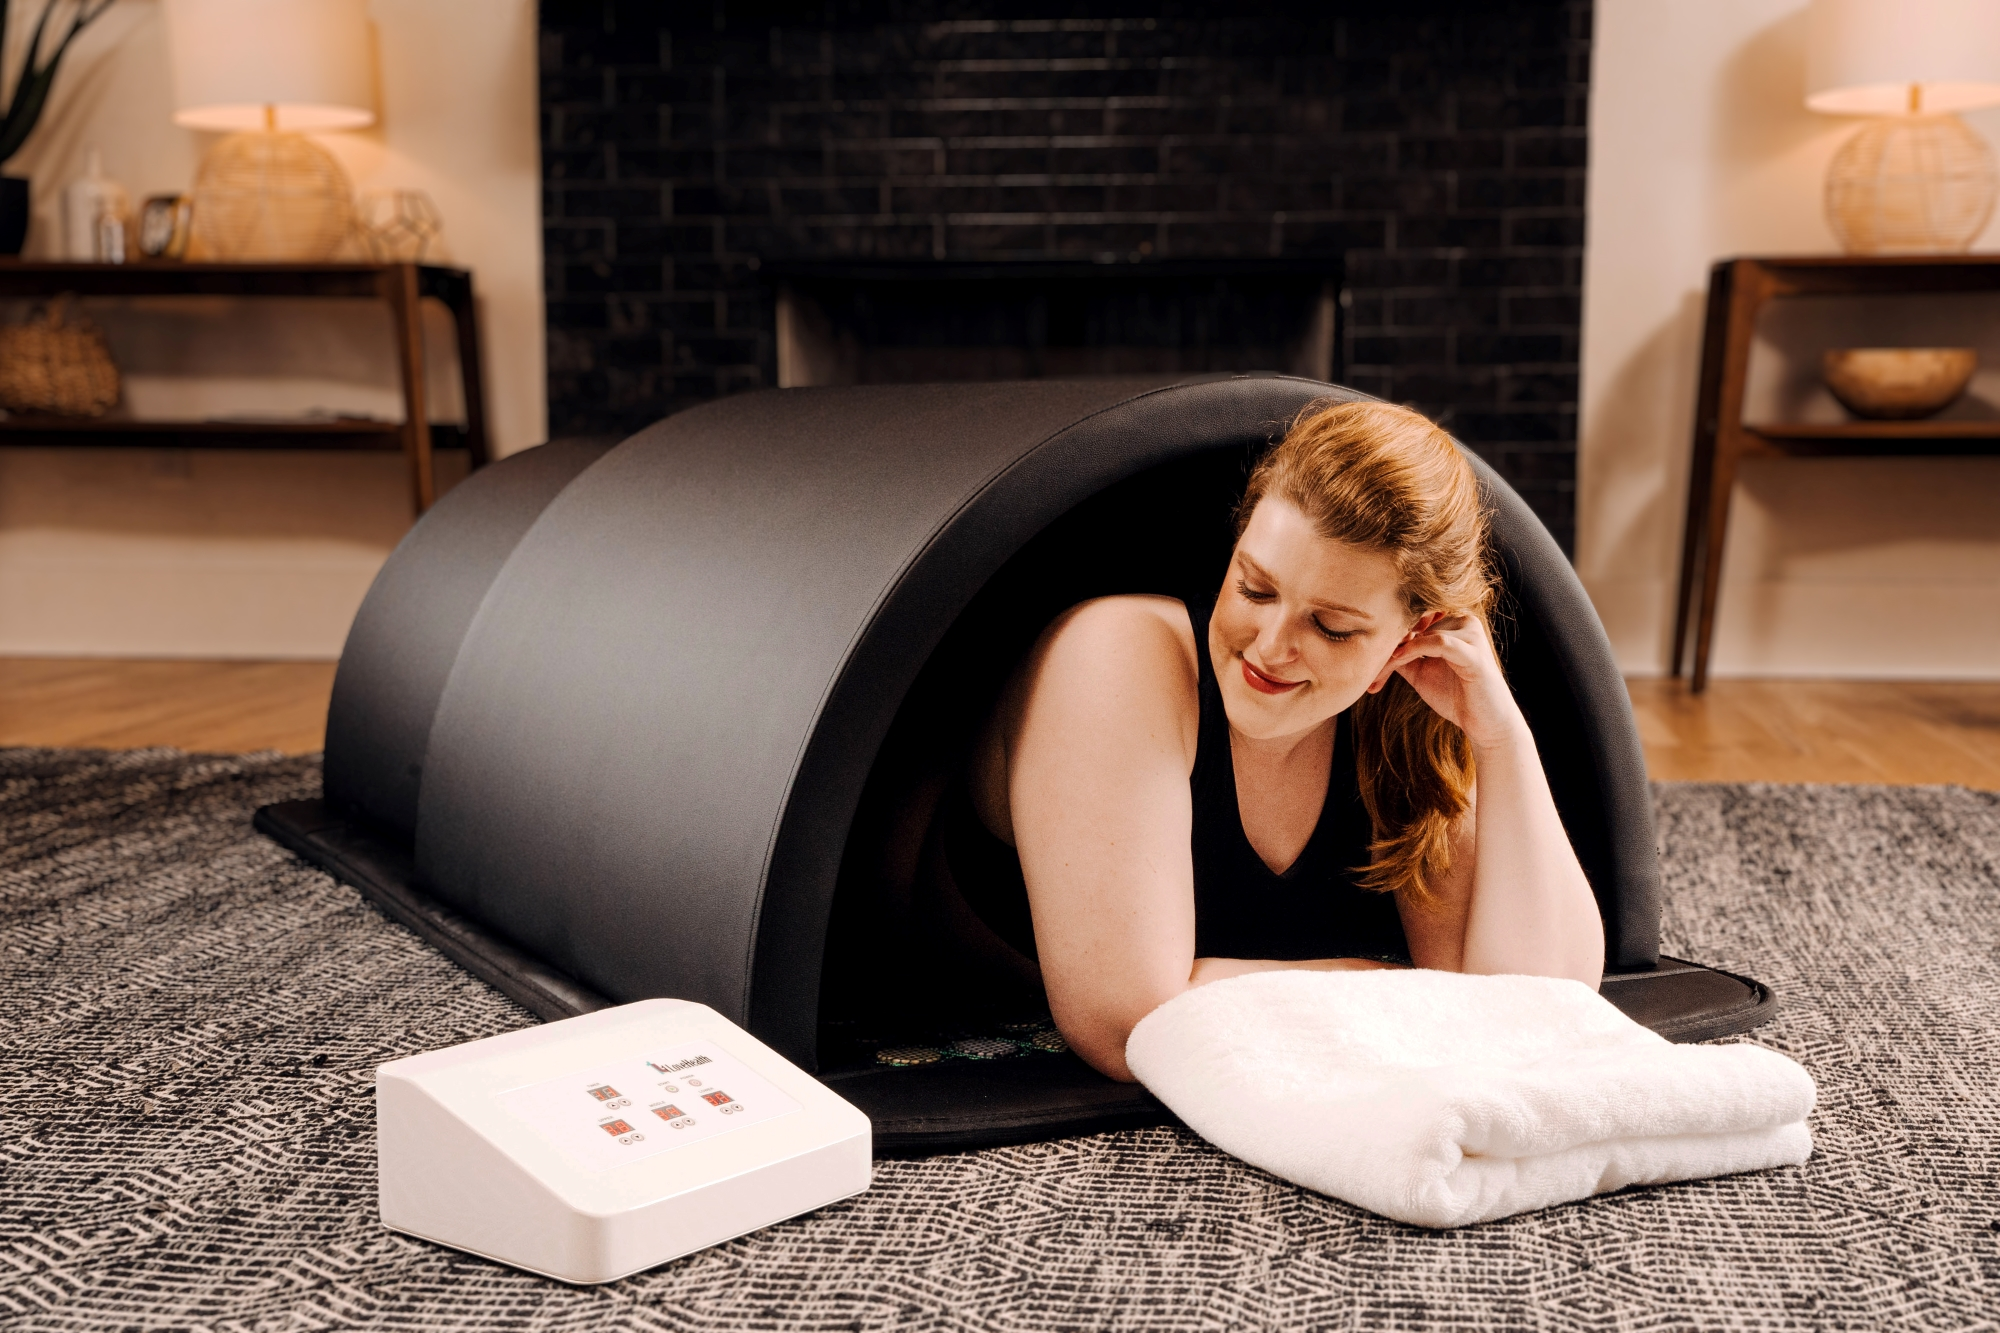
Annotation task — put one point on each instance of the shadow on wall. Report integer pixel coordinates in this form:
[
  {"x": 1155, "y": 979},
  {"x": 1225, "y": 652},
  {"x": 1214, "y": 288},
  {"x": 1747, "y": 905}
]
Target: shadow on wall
[
  {"x": 1636, "y": 485},
  {"x": 1767, "y": 152}
]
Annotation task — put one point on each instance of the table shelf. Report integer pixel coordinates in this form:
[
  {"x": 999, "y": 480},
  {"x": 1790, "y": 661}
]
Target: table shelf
[
  {"x": 401, "y": 286},
  {"x": 87, "y": 432},
  {"x": 1910, "y": 439}
]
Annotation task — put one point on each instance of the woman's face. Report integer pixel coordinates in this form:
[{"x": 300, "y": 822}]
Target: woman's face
[{"x": 1304, "y": 625}]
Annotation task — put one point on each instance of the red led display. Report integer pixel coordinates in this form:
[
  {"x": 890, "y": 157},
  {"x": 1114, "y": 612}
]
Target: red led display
[
  {"x": 667, "y": 1112},
  {"x": 716, "y": 1098},
  {"x": 615, "y": 1127},
  {"x": 604, "y": 1094}
]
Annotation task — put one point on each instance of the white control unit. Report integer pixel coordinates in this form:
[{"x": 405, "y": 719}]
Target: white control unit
[{"x": 596, "y": 1147}]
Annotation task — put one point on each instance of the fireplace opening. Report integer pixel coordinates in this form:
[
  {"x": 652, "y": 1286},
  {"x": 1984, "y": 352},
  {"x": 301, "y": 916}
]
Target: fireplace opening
[{"x": 901, "y": 323}]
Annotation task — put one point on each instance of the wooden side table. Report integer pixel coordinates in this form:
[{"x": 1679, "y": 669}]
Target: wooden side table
[
  {"x": 401, "y": 286},
  {"x": 1738, "y": 291}
]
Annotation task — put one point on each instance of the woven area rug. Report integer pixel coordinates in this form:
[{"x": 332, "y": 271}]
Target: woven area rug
[{"x": 190, "y": 1020}]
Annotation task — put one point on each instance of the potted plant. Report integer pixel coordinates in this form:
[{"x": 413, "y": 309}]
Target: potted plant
[{"x": 24, "y": 109}]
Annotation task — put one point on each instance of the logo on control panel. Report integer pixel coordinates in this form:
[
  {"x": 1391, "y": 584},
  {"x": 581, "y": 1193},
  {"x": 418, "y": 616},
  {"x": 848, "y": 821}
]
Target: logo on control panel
[{"x": 679, "y": 1065}]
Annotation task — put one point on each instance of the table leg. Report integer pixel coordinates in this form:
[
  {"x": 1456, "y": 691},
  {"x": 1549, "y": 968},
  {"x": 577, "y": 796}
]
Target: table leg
[
  {"x": 1701, "y": 473},
  {"x": 1701, "y": 479},
  {"x": 1722, "y": 482},
  {"x": 399, "y": 284},
  {"x": 454, "y": 289},
  {"x": 470, "y": 374}
]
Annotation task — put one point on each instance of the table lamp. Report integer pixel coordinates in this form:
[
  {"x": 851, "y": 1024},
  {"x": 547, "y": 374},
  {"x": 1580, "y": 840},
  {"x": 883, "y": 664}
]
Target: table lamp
[
  {"x": 1918, "y": 180},
  {"x": 267, "y": 70}
]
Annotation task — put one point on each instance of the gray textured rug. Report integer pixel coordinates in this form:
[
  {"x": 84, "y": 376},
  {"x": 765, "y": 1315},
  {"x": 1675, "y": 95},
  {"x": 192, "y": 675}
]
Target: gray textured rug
[{"x": 190, "y": 1020}]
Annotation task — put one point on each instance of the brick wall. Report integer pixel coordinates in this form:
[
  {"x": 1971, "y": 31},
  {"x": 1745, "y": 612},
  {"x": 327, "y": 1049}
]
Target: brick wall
[{"x": 1437, "y": 144}]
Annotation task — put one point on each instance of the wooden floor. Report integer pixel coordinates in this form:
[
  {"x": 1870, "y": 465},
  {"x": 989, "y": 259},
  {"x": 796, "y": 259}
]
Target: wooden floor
[
  {"x": 1821, "y": 731},
  {"x": 1739, "y": 731},
  {"x": 122, "y": 704}
]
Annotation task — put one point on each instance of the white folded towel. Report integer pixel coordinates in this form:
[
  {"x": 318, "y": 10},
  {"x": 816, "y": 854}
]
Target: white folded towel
[{"x": 1441, "y": 1099}]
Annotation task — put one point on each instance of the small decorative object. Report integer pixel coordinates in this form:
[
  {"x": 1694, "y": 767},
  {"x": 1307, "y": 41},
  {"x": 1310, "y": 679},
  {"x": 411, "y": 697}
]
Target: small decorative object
[
  {"x": 57, "y": 365},
  {"x": 1919, "y": 180},
  {"x": 111, "y": 229},
  {"x": 1898, "y": 383},
  {"x": 31, "y": 94},
  {"x": 398, "y": 226},
  {"x": 268, "y": 72},
  {"x": 164, "y": 224},
  {"x": 94, "y": 212}
]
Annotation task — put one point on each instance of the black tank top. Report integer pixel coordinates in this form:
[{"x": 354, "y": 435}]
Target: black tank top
[{"x": 1315, "y": 909}]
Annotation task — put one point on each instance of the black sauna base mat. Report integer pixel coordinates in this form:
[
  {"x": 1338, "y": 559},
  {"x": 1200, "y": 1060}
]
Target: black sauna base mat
[{"x": 951, "y": 1104}]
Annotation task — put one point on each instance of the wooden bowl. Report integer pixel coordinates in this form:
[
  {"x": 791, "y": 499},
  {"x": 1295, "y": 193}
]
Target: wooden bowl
[{"x": 1898, "y": 383}]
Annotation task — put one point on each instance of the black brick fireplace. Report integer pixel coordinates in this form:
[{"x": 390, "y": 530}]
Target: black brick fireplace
[{"x": 739, "y": 195}]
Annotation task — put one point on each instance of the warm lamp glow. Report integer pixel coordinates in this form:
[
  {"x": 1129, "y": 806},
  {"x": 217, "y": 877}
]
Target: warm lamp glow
[
  {"x": 1890, "y": 57},
  {"x": 270, "y": 64},
  {"x": 1916, "y": 180}
]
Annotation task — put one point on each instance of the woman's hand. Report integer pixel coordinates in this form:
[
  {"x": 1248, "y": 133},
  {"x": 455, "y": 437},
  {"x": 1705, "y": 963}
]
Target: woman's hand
[
  {"x": 1450, "y": 662},
  {"x": 1529, "y": 908}
]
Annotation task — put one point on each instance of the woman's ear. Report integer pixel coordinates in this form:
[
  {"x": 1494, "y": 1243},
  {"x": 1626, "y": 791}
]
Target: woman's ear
[{"x": 1421, "y": 625}]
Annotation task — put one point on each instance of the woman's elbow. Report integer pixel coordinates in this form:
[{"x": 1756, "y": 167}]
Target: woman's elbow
[
  {"x": 1103, "y": 1049},
  {"x": 1098, "y": 1034},
  {"x": 1580, "y": 958},
  {"x": 1582, "y": 961}
]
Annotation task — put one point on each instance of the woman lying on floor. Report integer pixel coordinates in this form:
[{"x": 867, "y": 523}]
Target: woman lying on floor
[{"x": 1170, "y": 794}]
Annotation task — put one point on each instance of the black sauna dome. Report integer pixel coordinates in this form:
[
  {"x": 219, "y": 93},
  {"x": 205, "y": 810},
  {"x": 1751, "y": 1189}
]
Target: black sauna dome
[{"x": 620, "y": 724}]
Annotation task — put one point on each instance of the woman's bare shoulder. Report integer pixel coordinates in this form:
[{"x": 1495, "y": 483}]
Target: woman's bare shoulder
[
  {"x": 1112, "y": 683},
  {"x": 1117, "y": 661},
  {"x": 1135, "y": 629}
]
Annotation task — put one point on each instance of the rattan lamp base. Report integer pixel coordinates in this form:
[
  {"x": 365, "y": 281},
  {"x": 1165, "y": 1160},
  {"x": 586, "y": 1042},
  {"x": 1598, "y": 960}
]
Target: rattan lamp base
[
  {"x": 270, "y": 195},
  {"x": 1911, "y": 184}
]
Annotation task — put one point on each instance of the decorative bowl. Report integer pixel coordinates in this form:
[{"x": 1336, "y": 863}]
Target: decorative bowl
[{"x": 1898, "y": 383}]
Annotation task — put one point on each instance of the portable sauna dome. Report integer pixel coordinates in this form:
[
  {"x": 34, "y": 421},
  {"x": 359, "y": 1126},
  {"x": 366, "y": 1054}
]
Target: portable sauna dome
[{"x": 632, "y": 723}]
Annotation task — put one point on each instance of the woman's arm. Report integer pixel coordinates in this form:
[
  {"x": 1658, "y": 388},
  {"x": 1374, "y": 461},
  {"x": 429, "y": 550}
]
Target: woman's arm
[
  {"x": 1098, "y": 803},
  {"x": 1434, "y": 926},
  {"x": 1525, "y": 905}
]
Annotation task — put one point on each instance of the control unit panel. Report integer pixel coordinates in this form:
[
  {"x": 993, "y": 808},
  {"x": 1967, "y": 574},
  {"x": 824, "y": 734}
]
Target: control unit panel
[{"x": 628, "y": 1110}]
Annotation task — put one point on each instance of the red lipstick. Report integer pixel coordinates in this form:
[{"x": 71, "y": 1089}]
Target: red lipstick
[{"x": 1264, "y": 684}]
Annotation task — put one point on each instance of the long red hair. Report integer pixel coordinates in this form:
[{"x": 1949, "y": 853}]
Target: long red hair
[{"x": 1386, "y": 478}]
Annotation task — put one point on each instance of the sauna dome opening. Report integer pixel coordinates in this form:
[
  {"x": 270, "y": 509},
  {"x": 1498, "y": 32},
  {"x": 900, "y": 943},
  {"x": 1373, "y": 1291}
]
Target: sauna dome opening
[{"x": 1167, "y": 531}]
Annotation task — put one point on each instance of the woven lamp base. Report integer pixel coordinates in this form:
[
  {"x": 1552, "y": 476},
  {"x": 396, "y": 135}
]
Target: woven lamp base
[
  {"x": 1911, "y": 185},
  {"x": 266, "y": 194}
]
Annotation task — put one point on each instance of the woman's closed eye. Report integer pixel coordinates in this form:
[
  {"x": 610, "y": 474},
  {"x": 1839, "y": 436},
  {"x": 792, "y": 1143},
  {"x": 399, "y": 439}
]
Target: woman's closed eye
[
  {"x": 1334, "y": 635},
  {"x": 1261, "y": 595}
]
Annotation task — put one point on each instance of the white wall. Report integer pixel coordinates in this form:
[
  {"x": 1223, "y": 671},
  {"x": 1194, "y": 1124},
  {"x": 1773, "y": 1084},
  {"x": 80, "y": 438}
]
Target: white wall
[
  {"x": 1701, "y": 148},
  {"x": 235, "y": 554}
]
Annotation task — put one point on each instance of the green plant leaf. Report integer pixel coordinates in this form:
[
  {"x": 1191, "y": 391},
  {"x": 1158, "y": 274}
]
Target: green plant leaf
[
  {"x": 6, "y": 12},
  {"x": 31, "y": 91},
  {"x": 29, "y": 99},
  {"x": 26, "y": 108}
]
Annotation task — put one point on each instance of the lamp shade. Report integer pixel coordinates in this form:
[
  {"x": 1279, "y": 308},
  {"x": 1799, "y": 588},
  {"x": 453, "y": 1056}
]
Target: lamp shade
[
  {"x": 306, "y": 61},
  {"x": 1863, "y": 57}
]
